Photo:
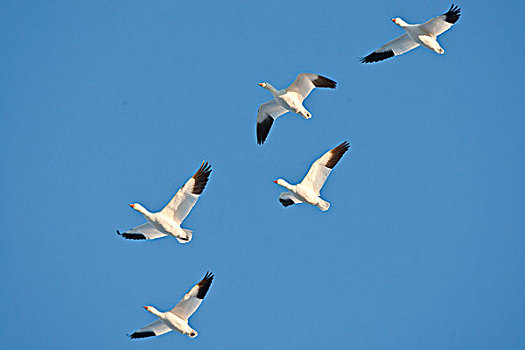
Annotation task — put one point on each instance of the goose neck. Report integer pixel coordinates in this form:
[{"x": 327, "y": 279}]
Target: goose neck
[{"x": 273, "y": 90}]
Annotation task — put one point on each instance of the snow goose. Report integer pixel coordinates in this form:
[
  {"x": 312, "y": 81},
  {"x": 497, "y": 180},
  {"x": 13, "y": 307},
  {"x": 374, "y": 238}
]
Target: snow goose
[
  {"x": 308, "y": 191},
  {"x": 177, "y": 318},
  {"x": 168, "y": 220},
  {"x": 288, "y": 100},
  {"x": 416, "y": 34}
]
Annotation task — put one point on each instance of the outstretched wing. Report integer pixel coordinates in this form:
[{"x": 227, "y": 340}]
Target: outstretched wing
[
  {"x": 306, "y": 82},
  {"x": 322, "y": 167},
  {"x": 440, "y": 24},
  {"x": 191, "y": 301},
  {"x": 151, "y": 330},
  {"x": 395, "y": 47},
  {"x": 186, "y": 197},
  {"x": 268, "y": 112},
  {"x": 288, "y": 198},
  {"x": 144, "y": 231}
]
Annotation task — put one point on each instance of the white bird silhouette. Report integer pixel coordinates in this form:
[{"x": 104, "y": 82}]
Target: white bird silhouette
[
  {"x": 308, "y": 191},
  {"x": 288, "y": 100},
  {"x": 168, "y": 220},
  {"x": 416, "y": 34},
  {"x": 177, "y": 318}
]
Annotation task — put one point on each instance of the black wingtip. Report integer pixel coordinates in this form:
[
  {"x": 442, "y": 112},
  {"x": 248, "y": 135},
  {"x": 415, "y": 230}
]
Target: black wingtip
[
  {"x": 345, "y": 146},
  {"x": 377, "y": 56},
  {"x": 134, "y": 236},
  {"x": 324, "y": 82},
  {"x": 138, "y": 335},
  {"x": 205, "y": 284},
  {"x": 208, "y": 277},
  {"x": 201, "y": 178},
  {"x": 205, "y": 168},
  {"x": 263, "y": 129},
  {"x": 453, "y": 14},
  {"x": 286, "y": 202},
  {"x": 337, "y": 153}
]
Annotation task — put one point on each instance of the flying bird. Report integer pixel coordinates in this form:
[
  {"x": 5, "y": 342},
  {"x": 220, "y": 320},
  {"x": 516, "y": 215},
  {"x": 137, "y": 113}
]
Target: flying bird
[
  {"x": 288, "y": 100},
  {"x": 177, "y": 318},
  {"x": 416, "y": 34},
  {"x": 308, "y": 191},
  {"x": 168, "y": 220}
]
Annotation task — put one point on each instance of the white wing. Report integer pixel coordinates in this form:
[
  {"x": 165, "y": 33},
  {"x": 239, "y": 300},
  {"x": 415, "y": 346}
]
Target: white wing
[
  {"x": 151, "y": 330},
  {"x": 288, "y": 198},
  {"x": 395, "y": 47},
  {"x": 144, "y": 231},
  {"x": 440, "y": 24},
  {"x": 268, "y": 112},
  {"x": 306, "y": 82},
  {"x": 181, "y": 204},
  {"x": 191, "y": 301},
  {"x": 322, "y": 167}
]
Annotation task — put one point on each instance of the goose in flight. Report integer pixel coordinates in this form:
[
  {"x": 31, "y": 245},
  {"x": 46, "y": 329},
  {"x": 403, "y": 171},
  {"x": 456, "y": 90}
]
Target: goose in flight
[
  {"x": 177, "y": 318},
  {"x": 168, "y": 220},
  {"x": 308, "y": 191},
  {"x": 288, "y": 100},
  {"x": 416, "y": 34}
]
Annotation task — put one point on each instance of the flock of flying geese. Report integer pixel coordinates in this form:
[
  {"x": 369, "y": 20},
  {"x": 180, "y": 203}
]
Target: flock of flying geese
[{"x": 168, "y": 221}]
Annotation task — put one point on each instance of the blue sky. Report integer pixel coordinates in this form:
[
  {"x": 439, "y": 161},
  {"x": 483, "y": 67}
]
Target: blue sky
[{"x": 106, "y": 103}]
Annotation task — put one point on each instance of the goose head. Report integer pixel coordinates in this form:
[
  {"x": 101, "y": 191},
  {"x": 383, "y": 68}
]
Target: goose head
[
  {"x": 270, "y": 88},
  {"x": 138, "y": 208},
  {"x": 152, "y": 310},
  {"x": 264, "y": 84},
  {"x": 282, "y": 183},
  {"x": 399, "y": 22}
]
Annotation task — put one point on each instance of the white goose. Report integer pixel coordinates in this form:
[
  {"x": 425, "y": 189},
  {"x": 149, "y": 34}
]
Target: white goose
[
  {"x": 168, "y": 220},
  {"x": 308, "y": 191},
  {"x": 416, "y": 34},
  {"x": 288, "y": 100},
  {"x": 177, "y": 318}
]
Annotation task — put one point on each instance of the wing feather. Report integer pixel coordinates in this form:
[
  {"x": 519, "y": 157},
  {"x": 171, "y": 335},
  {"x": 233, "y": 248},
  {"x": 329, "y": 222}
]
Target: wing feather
[
  {"x": 181, "y": 204},
  {"x": 440, "y": 24},
  {"x": 288, "y": 198},
  {"x": 395, "y": 47},
  {"x": 268, "y": 112},
  {"x": 191, "y": 301},
  {"x": 322, "y": 167},
  {"x": 151, "y": 330},
  {"x": 306, "y": 82},
  {"x": 144, "y": 231}
]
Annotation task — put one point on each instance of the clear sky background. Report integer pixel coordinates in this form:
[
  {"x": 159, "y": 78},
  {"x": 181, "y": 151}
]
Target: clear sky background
[{"x": 106, "y": 103}]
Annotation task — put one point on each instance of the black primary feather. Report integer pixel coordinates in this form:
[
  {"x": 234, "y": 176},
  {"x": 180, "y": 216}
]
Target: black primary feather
[
  {"x": 138, "y": 335},
  {"x": 135, "y": 236},
  {"x": 324, "y": 82},
  {"x": 336, "y": 154},
  {"x": 263, "y": 129},
  {"x": 201, "y": 178},
  {"x": 453, "y": 14},
  {"x": 377, "y": 56},
  {"x": 286, "y": 202},
  {"x": 204, "y": 285}
]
